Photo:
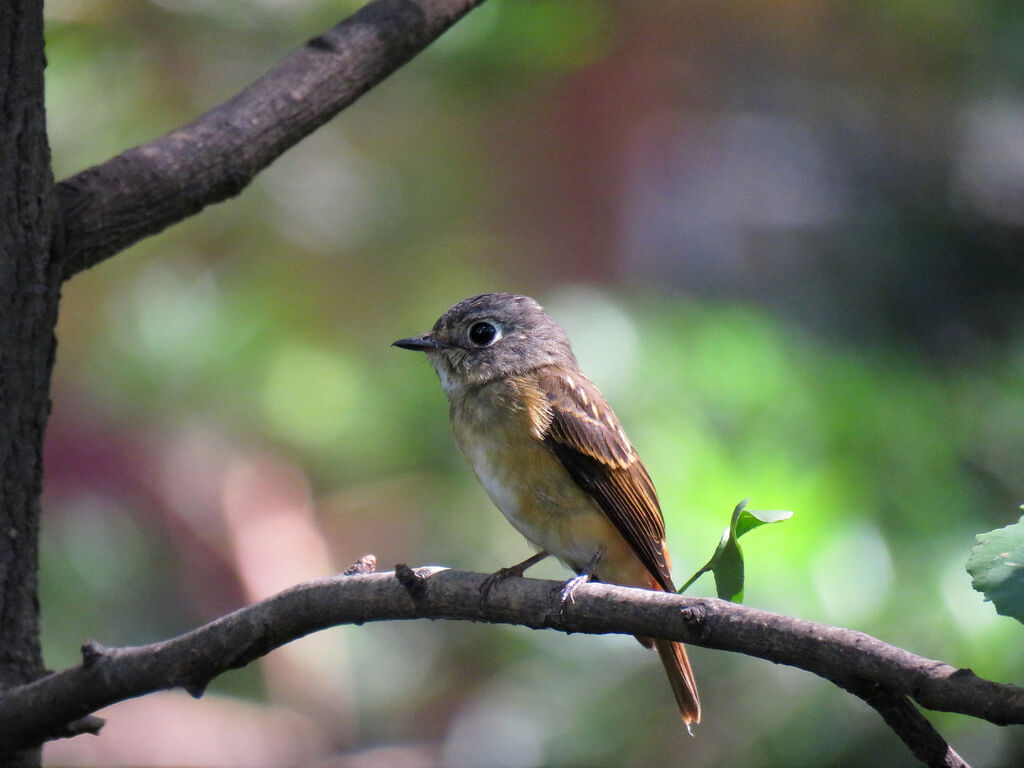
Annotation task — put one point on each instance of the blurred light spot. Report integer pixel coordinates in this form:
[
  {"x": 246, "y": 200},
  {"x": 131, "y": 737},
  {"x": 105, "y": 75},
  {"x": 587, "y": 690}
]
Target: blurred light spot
[
  {"x": 852, "y": 574},
  {"x": 330, "y": 196},
  {"x": 412, "y": 656},
  {"x": 974, "y": 615},
  {"x": 989, "y": 165},
  {"x": 275, "y": 537},
  {"x": 731, "y": 350},
  {"x": 308, "y": 394},
  {"x": 699, "y": 188},
  {"x": 178, "y": 318},
  {"x": 497, "y": 731},
  {"x": 102, "y": 544},
  {"x": 193, "y": 461},
  {"x": 603, "y": 336}
]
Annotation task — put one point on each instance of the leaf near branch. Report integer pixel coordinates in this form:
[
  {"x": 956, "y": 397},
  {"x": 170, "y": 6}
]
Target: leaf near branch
[
  {"x": 996, "y": 566},
  {"x": 727, "y": 561}
]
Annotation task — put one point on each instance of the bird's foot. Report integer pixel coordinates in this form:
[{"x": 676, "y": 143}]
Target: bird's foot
[
  {"x": 587, "y": 574},
  {"x": 566, "y": 591},
  {"x": 503, "y": 574}
]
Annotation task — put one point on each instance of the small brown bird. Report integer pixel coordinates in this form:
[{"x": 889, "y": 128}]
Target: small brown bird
[{"x": 551, "y": 454}]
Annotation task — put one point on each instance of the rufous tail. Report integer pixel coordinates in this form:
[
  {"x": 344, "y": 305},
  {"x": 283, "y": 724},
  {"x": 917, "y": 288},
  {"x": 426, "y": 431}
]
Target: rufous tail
[{"x": 680, "y": 677}]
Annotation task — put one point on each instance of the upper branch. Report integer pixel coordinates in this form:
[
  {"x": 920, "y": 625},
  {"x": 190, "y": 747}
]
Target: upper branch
[
  {"x": 108, "y": 207},
  {"x": 857, "y": 662}
]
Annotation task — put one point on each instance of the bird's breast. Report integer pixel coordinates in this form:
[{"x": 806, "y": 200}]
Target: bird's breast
[{"x": 496, "y": 431}]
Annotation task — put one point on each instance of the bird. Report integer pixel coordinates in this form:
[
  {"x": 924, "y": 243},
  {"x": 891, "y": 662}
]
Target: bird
[{"x": 551, "y": 454}]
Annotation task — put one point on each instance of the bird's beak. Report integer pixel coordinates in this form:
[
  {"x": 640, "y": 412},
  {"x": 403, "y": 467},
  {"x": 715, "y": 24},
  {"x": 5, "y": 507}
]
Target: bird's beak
[{"x": 422, "y": 343}]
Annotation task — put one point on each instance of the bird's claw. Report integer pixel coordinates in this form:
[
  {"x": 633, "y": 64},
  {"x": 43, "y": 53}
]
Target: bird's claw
[
  {"x": 496, "y": 578},
  {"x": 503, "y": 574}
]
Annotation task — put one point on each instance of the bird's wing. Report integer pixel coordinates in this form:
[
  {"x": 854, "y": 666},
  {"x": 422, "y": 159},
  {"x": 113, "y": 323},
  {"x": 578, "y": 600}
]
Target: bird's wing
[{"x": 588, "y": 440}]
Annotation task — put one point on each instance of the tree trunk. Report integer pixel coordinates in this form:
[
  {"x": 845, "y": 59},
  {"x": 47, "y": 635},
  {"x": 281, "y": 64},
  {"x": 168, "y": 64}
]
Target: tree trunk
[{"x": 29, "y": 291}]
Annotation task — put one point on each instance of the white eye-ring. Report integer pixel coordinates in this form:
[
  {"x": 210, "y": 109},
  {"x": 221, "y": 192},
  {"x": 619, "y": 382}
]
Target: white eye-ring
[{"x": 483, "y": 333}]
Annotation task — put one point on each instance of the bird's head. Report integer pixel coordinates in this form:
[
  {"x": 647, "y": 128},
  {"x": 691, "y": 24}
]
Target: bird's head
[{"x": 490, "y": 336}]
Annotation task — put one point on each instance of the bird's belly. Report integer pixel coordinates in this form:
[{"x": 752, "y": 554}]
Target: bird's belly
[{"x": 537, "y": 496}]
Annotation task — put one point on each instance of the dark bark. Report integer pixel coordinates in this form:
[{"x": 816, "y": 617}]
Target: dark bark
[
  {"x": 29, "y": 288},
  {"x": 28, "y": 309},
  {"x": 885, "y": 677}
]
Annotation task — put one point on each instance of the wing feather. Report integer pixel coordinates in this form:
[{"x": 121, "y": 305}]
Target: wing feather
[{"x": 588, "y": 440}]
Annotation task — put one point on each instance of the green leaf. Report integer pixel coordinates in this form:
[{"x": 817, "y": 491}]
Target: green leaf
[
  {"x": 754, "y": 518},
  {"x": 996, "y": 566},
  {"x": 726, "y": 562},
  {"x": 728, "y": 569}
]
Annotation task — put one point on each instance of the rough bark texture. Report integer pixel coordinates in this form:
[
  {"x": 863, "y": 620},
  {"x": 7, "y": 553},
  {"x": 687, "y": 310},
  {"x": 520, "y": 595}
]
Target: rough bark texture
[
  {"x": 29, "y": 288},
  {"x": 28, "y": 310}
]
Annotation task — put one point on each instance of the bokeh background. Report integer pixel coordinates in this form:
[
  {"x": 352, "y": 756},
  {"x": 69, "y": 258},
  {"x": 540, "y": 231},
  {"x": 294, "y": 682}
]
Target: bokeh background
[{"x": 786, "y": 240}]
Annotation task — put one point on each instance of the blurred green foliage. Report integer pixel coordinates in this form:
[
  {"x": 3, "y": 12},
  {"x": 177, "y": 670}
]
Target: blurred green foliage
[{"x": 875, "y": 389}]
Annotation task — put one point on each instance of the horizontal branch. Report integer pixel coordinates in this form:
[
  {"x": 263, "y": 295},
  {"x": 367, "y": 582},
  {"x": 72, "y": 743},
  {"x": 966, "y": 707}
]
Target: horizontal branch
[
  {"x": 857, "y": 662},
  {"x": 108, "y": 207}
]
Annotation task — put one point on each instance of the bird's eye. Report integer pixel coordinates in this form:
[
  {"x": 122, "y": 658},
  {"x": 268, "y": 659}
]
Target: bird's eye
[{"x": 483, "y": 334}]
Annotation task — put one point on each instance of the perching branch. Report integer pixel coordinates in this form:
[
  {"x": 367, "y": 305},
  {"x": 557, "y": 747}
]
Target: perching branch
[
  {"x": 883, "y": 675},
  {"x": 108, "y": 207}
]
